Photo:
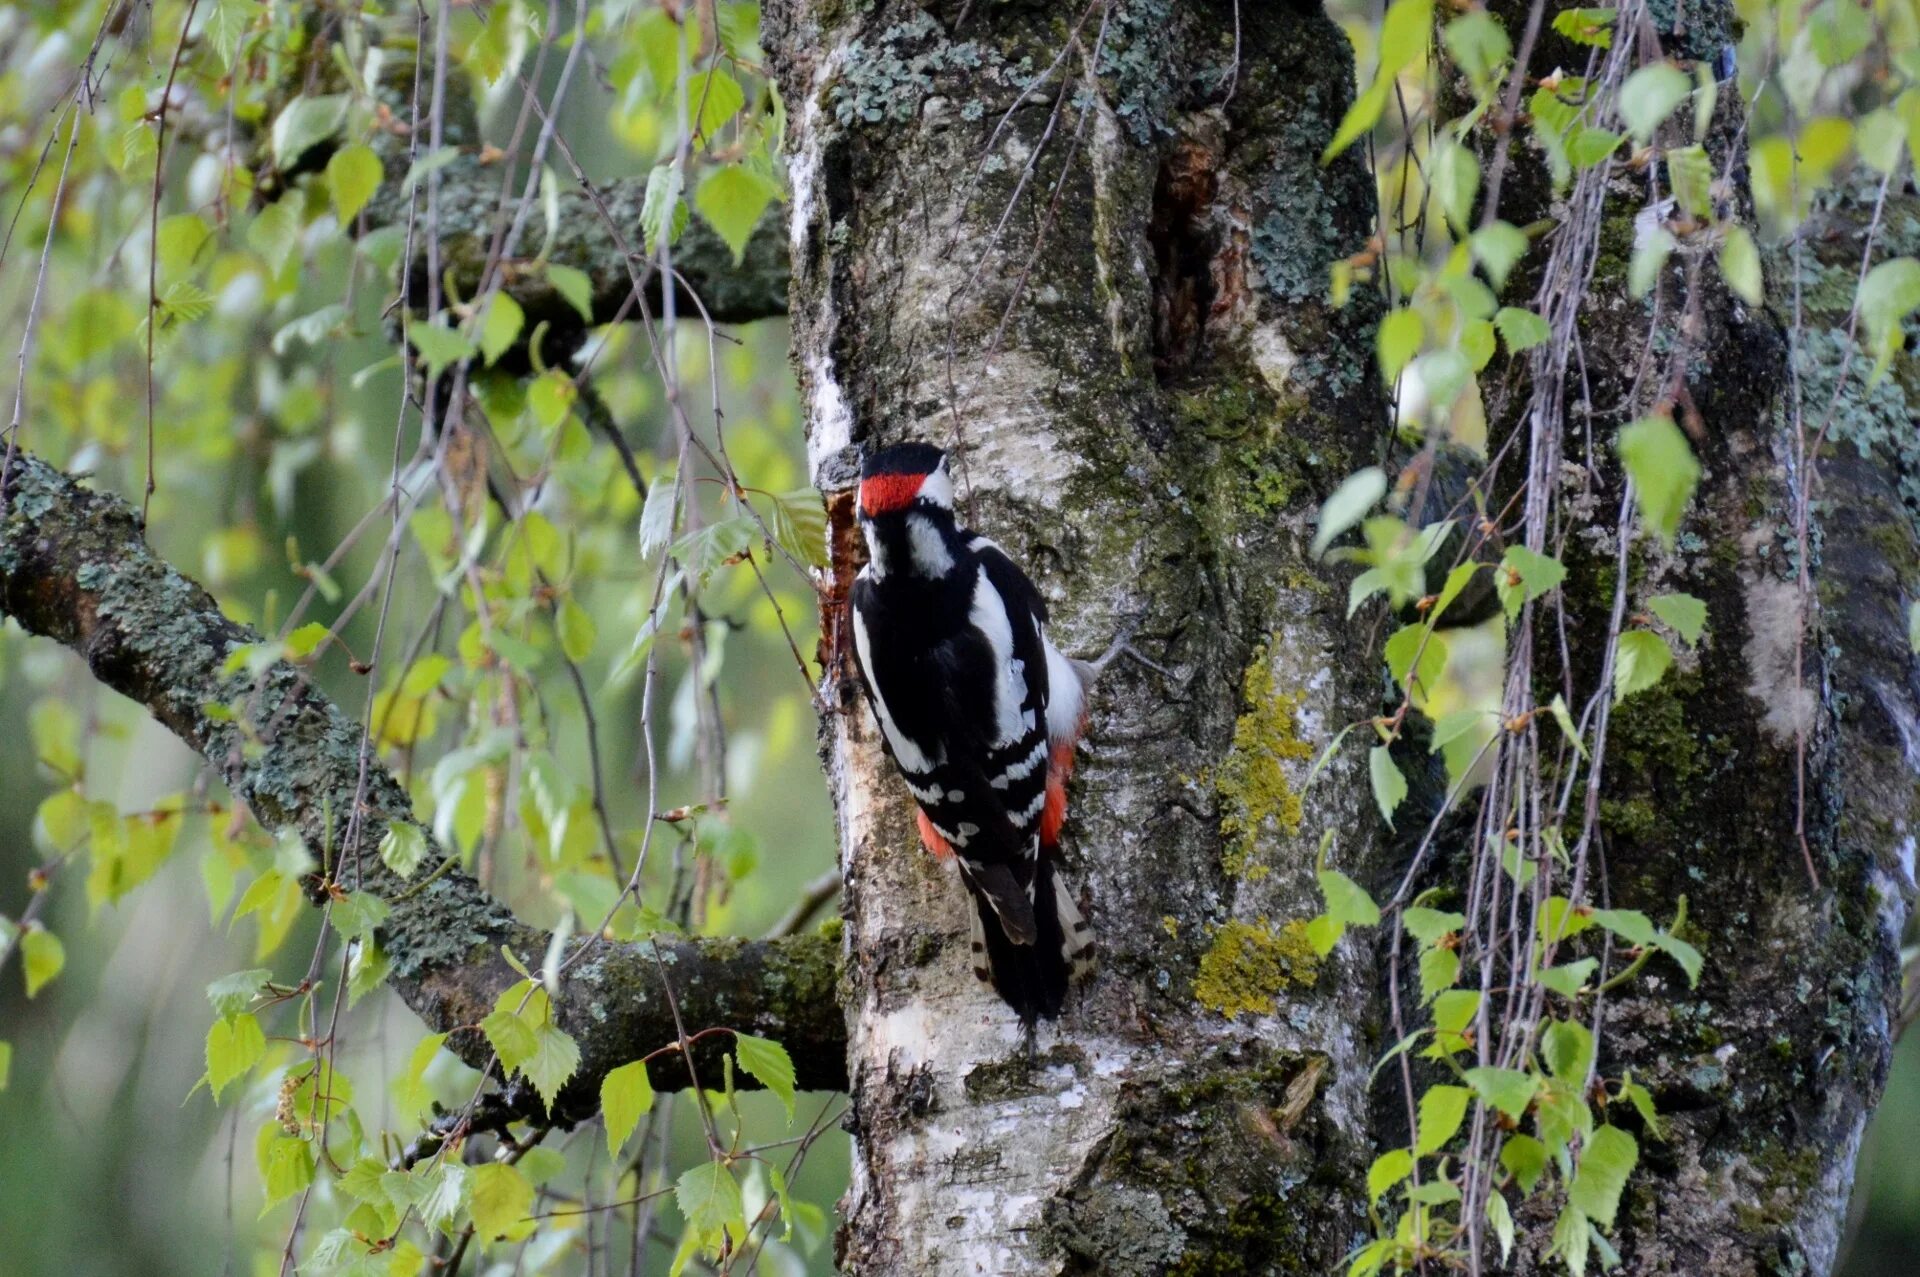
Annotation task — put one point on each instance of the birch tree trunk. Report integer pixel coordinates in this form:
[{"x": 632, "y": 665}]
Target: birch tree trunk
[{"x": 1111, "y": 305}]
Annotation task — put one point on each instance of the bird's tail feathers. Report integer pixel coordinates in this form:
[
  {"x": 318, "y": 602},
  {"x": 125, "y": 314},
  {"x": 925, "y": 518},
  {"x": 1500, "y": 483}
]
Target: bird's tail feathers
[{"x": 1033, "y": 976}]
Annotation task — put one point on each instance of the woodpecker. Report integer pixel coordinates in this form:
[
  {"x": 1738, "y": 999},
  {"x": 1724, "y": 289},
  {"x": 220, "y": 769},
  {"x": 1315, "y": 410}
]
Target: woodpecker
[{"x": 980, "y": 712}]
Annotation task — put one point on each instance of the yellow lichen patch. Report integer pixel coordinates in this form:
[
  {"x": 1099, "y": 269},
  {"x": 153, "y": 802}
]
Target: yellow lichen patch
[
  {"x": 1252, "y": 779},
  {"x": 1248, "y": 964}
]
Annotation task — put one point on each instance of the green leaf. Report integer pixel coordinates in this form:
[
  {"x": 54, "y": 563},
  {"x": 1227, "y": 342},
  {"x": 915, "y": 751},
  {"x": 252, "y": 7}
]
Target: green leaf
[
  {"x": 1567, "y": 1047},
  {"x": 403, "y": 848},
  {"x": 626, "y": 1095},
  {"x": 1587, "y": 26},
  {"x": 6, "y": 1063},
  {"x": 426, "y": 166},
  {"x": 43, "y": 956},
  {"x": 1642, "y": 1100},
  {"x": 443, "y": 1193},
  {"x": 1643, "y": 657},
  {"x": 502, "y": 326},
  {"x": 231, "y": 994},
  {"x": 359, "y": 914},
  {"x": 1740, "y": 265},
  {"x": 1429, "y": 926},
  {"x": 1452, "y": 1012},
  {"x": 226, "y": 26},
  {"x": 1523, "y": 576},
  {"x": 1498, "y": 247},
  {"x": 576, "y": 630},
  {"x": 1564, "y": 717},
  {"x": 1455, "y": 726},
  {"x": 178, "y": 242},
  {"x": 1887, "y": 296},
  {"x": 1587, "y": 147},
  {"x": 1389, "y": 786},
  {"x": 1664, "y": 472},
  {"x": 286, "y": 1167},
  {"x": 304, "y": 123},
  {"x": 1508, "y": 1090},
  {"x": 439, "y": 346},
  {"x": 1441, "y": 1110},
  {"x": 1629, "y": 924},
  {"x": 1685, "y": 613},
  {"x": 1691, "y": 174},
  {"x": 306, "y": 640},
  {"x": 234, "y": 1045},
  {"x": 1525, "y": 1158},
  {"x": 1411, "y": 642},
  {"x": 662, "y": 211},
  {"x": 1399, "y": 339},
  {"x": 1572, "y": 1239},
  {"x": 768, "y": 1061},
  {"x": 555, "y": 1059},
  {"x": 717, "y": 97},
  {"x": 502, "y": 1197},
  {"x": 1521, "y": 329},
  {"x": 1650, "y": 252},
  {"x": 1439, "y": 968},
  {"x": 410, "y": 1094},
  {"x": 511, "y": 1037},
  {"x": 353, "y": 175},
  {"x": 1360, "y": 117},
  {"x": 575, "y": 288},
  {"x": 1567, "y": 980},
  {"x": 1387, "y": 1170},
  {"x": 1682, "y": 953},
  {"x": 1649, "y": 96},
  {"x": 1347, "y": 900},
  {"x": 709, "y": 1198},
  {"x": 550, "y": 397},
  {"x": 1348, "y": 505},
  {"x": 732, "y": 200},
  {"x": 1501, "y": 1220},
  {"x": 1605, "y": 1163},
  {"x": 1558, "y": 920}
]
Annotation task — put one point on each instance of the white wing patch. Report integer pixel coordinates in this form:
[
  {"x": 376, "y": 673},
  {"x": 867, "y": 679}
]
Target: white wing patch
[
  {"x": 1066, "y": 695},
  {"x": 989, "y": 616},
  {"x": 909, "y": 755}
]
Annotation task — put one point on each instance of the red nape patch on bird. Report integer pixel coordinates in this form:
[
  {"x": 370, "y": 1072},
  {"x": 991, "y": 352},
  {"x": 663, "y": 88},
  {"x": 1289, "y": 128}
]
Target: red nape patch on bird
[
  {"x": 886, "y": 493},
  {"x": 931, "y": 836}
]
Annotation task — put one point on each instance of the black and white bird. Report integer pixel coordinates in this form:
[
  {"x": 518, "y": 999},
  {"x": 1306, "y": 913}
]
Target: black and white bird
[{"x": 980, "y": 712}]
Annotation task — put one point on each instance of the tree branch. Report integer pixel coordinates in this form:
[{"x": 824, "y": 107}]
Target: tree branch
[
  {"x": 75, "y": 567},
  {"x": 471, "y": 213}
]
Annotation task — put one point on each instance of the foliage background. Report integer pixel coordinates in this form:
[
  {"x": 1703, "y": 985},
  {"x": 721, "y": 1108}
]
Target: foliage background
[{"x": 108, "y": 1164}]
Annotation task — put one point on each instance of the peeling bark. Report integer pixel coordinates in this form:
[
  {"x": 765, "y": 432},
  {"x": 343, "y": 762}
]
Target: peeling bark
[{"x": 75, "y": 568}]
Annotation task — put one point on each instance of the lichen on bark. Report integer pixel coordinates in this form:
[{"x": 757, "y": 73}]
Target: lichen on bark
[{"x": 75, "y": 568}]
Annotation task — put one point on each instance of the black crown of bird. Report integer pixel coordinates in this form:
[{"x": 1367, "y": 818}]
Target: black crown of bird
[{"x": 980, "y": 713}]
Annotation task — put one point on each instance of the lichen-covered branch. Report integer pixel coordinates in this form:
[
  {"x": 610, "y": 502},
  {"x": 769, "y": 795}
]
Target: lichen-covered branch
[
  {"x": 75, "y": 567},
  {"x": 577, "y": 230}
]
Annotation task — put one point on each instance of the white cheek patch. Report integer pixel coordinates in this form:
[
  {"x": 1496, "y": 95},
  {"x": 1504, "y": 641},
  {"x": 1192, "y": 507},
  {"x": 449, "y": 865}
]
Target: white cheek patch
[
  {"x": 876, "y": 553},
  {"x": 938, "y": 488},
  {"x": 931, "y": 557}
]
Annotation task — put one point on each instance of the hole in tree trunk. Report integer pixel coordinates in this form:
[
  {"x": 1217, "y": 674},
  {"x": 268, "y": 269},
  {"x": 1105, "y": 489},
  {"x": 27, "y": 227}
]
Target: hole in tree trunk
[{"x": 1184, "y": 241}]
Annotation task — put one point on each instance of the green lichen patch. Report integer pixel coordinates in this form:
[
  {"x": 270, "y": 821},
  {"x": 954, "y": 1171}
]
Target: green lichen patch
[
  {"x": 1249, "y": 964},
  {"x": 1256, "y": 797}
]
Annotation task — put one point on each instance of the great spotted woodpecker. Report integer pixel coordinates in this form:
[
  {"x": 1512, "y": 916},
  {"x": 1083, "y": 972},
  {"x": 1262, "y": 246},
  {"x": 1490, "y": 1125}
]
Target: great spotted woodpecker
[{"x": 980, "y": 712}]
